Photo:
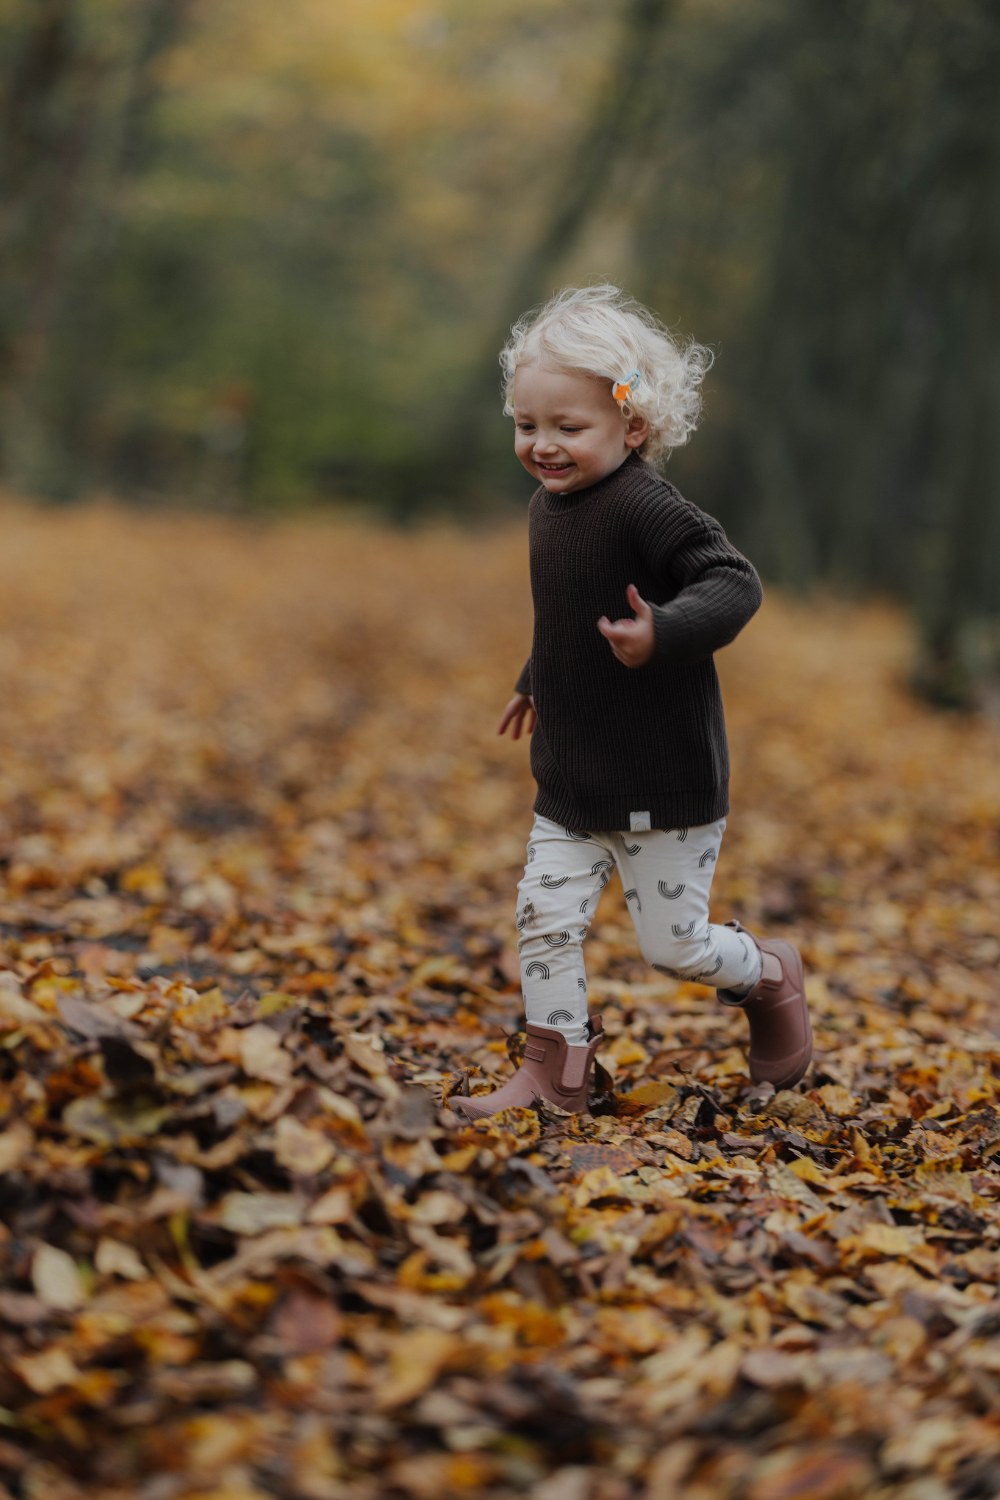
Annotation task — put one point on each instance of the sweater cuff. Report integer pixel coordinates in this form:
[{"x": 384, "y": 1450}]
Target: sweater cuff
[
  {"x": 681, "y": 639},
  {"x": 696, "y": 624},
  {"x": 523, "y": 683}
]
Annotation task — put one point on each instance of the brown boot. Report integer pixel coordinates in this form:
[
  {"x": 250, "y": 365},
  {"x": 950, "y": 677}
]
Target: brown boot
[
  {"x": 558, "y": 1072},
  {"x": 780, "y": 1033}
]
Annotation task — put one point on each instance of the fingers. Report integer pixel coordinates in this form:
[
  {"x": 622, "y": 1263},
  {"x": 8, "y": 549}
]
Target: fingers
[
  {"x": 509, "y": 713},
  {"x": 624, "y": 653},
  {"x": 515, "y": 712},
  {"x": 638, "y": 603},
  {"x": 616, "y": 630},
  {"x": 626, "y": 639}
]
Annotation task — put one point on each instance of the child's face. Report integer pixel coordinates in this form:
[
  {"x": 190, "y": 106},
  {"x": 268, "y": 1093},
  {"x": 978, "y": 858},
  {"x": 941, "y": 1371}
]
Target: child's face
[{"x": 569, "y": 430}]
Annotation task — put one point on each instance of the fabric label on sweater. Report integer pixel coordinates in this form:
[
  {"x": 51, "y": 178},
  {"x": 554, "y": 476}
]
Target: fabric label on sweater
[{"x": 639, "y": 822}]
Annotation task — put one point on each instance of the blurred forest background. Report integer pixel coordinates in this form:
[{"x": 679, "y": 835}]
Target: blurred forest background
[{"x": 256, "y": 256}]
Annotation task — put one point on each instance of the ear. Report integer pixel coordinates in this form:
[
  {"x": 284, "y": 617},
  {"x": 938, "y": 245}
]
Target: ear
[{"x": 636, "y": 431}]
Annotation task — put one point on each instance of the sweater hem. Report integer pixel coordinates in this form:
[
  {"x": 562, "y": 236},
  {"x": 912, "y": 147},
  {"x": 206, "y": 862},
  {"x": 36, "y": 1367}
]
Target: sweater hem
[{"x": 685, "y": 808}]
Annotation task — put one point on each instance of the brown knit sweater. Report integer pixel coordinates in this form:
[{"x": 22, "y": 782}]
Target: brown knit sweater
[{"x": 613, "y": 740}]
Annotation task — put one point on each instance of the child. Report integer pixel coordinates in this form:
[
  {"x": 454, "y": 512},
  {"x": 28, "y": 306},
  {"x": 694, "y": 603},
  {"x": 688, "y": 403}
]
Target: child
[{"x": 629, "y": 744}]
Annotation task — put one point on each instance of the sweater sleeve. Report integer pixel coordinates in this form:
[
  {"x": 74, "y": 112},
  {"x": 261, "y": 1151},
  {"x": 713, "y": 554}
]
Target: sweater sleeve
[
  {"x": 715, "y": 589},
  {"x": 523, "y": 683}
]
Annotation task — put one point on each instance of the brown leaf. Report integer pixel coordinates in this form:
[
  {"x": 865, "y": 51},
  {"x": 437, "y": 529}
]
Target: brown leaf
[
  {"x": 838, "y": 1101},
  {"x": 206, "y": 1382},
  {"x": 791, "y": 1107},
  {"x": 334, "y": 1207},
  {"x": 585, "y": 1155},
  {"x": 21, "y": 1309},
  {"x": 261, "y": 1055},
  {"x": 820, "y": 1474},
  {"x": 784, "y": 1182},
  {"x": 673, "y": 1141},
  {"x": 46, "y": 1372},
  {"x": 365, "y": 1054},
  {"x": 92, "y": 1021},
  {"x": 437, "y": 1208},
  {"x": 774, "y": 1369},
  {"x": 301, "y": 1150},
  {"x": 307, "y": 1323}
]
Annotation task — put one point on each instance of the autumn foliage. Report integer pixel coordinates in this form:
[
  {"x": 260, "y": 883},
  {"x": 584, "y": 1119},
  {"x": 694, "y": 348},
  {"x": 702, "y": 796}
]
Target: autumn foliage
[{"x": 259, "y": 846}]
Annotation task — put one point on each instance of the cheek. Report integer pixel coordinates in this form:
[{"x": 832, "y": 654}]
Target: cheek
[{"x": 584, "y": 446}]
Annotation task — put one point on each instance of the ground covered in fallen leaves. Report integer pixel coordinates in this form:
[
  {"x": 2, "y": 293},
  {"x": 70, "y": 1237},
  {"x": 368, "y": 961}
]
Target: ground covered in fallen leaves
[{"x": 259, "y": 846}]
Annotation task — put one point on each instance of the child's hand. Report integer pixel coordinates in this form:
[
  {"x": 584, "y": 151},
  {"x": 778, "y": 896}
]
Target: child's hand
[
  {"x": 519, "y": 705},
  {"x": 632, "y": 641}
]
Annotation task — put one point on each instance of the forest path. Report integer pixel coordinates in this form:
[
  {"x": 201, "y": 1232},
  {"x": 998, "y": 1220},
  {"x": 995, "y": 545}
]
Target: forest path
[{"x": 259, "y": 846}]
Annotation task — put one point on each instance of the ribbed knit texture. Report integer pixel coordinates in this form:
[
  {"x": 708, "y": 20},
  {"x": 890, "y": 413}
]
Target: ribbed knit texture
[{"x": 612, "y": 740}]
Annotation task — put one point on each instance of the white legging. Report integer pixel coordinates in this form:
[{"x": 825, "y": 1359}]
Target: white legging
[{"x": 667, "y": 878}]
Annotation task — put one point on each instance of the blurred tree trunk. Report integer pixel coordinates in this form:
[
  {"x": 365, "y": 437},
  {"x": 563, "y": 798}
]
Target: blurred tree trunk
[
  {"x": 876, "y": 392},
  {"x": 127, "y": 150},
  {"x": 76, "y": 119},
  {"x": 45, "y": 131},
  {"x": 621, "y": 120}
]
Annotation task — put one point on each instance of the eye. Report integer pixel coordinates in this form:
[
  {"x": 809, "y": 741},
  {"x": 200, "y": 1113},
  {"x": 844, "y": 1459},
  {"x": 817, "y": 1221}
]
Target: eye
[{"x": 569, "y": 429}]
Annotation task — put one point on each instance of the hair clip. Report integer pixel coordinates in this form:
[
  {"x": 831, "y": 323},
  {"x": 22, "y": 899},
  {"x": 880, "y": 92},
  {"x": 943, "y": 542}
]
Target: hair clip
[{"x": 622, "y": 389}]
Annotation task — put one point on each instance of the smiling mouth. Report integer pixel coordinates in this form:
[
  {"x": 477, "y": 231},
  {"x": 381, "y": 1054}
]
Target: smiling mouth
[{"x": 554, "y": 468}]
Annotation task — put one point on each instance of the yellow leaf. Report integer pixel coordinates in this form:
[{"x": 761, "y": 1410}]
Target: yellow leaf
[
  {"x": 626, "y": 1051},
  {"x": 204, "y": 1012},
  {"x": 274, "y": 1002},
  {"x": 647, "y": 1096},
  {"x": 805, "y": 1168},
  {"x": 838, "y": 1101},
  {"x": 787, "y": 1184},
  {"x": 441, "y": 970},
  {"x": 637, "y": 1329},
  {"x": 886, "y": 1239},
  {"x": 416, "y": 1360},
  {"x": 944, "y": 1182},
  {"x": 599, "y": 1182},
  {"x": 15, "y": 1144}
]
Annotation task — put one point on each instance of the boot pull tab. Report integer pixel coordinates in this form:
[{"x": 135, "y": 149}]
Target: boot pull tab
[
  {"x": 575, "y": 1064},
  {"x": 771, "y": 971}
]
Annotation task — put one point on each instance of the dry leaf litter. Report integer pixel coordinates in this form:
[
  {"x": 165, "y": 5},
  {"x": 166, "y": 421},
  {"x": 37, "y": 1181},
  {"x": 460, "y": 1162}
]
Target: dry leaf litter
[{"x": 259, "y": 849}]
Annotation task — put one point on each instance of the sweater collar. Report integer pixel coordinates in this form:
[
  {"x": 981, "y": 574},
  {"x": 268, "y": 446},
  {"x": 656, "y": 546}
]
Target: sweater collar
[{"x": 561, "y": 504}]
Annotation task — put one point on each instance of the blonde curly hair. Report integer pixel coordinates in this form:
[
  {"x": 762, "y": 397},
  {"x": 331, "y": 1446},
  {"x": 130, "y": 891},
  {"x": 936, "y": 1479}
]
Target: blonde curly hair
[{"x": 602, "y": 331}]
